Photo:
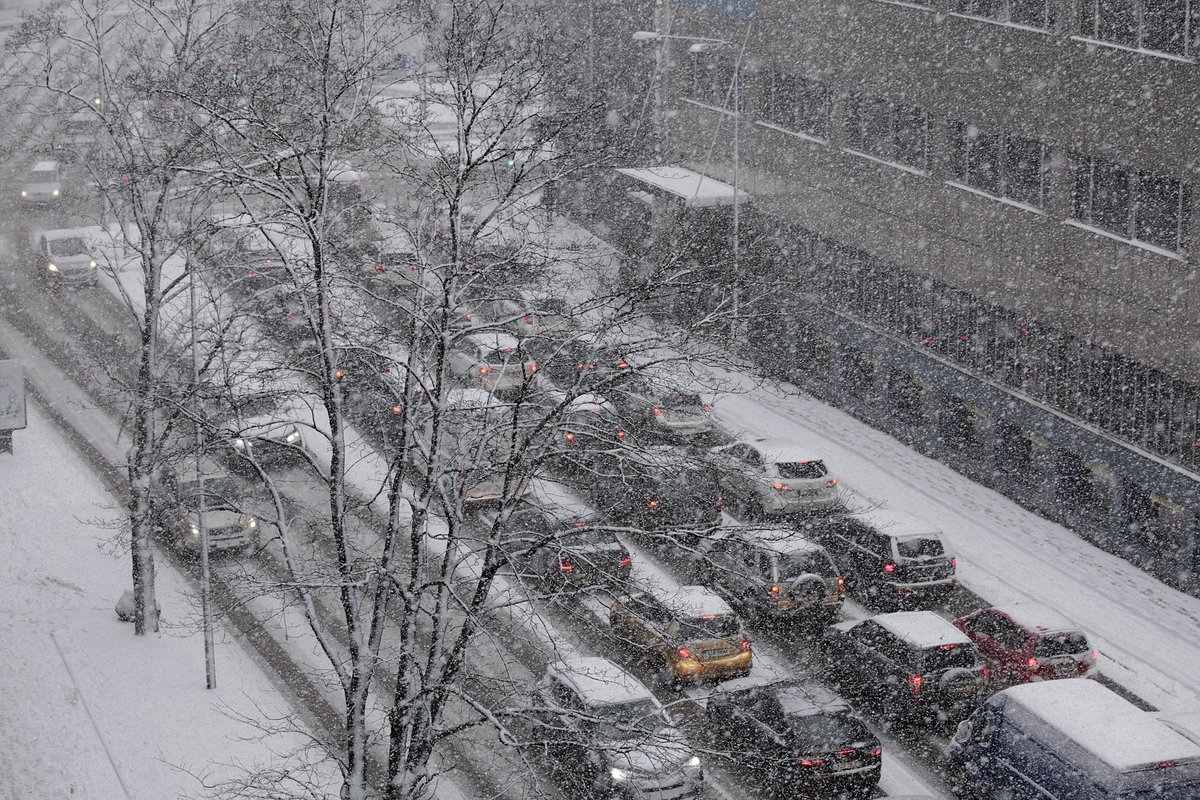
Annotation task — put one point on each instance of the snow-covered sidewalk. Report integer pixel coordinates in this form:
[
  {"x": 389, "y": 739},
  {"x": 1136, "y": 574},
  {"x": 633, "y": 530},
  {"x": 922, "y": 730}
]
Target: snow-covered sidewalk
[{"x": 88, "y": 710}]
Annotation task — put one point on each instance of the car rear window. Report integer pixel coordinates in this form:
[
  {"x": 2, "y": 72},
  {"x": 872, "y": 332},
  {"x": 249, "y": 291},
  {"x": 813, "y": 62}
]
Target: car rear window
[
  {"x": 804, "y": 470},
  {"x": 72, "y": 246},
  {"x": 948, "y": 656},
  {"x": 715, "y": 626},
  {"x": 793, "y": 565},
  {"x": 682, "y": 402},
  {"x": 1061, "y": 644},
  {"x": 824, "y": 733},
  {"x": 588, "y": 537},
  {"x": 923, "y": 547}
]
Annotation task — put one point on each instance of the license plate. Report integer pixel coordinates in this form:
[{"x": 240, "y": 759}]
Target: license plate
[
  {"x": 967, "y": 689},
  {"x": 707, "y": 654},
  {"x": 1065, "y": 669}
]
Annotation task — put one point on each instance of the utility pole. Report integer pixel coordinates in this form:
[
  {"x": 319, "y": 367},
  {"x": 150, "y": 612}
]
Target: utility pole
[{"x": 210, "y": 662}]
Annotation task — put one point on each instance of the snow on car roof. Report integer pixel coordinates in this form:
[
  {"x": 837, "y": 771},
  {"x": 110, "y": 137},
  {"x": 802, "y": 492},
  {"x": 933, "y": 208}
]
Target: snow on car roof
[
  {"x": 44, "y": 166},
  {"x": 494, "y": 340},
  {"x": 784, "y": 540},
  {"x": 782, "y": 450},
  {"x": 1037, "y": 617},
  {"x": 921, "y": 629},
  {"x": 589, "y": 402},
  {"x": 696, "y": 601},
  {"x": 600, "y": 682},
  {"x": 1103, "y": 723},
  {"x": 896, "y": 523}
]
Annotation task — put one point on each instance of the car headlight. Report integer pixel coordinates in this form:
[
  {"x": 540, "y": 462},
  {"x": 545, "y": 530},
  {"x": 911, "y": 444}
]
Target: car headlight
[
  {"x": 54, "y": 193},
  {"x": 24, "y": 193},
  {"x": 195, "y": 530},
  {"x": 92, "y": 264},
  {"x": 694, "y": 762},
  {"x": 252, "y": 523},
  {"x": 619, "y": 774},
  {"x": 293, "y": 437},
  {"x": 52, "y": 267},
  {"x": 239, "y": 443}
]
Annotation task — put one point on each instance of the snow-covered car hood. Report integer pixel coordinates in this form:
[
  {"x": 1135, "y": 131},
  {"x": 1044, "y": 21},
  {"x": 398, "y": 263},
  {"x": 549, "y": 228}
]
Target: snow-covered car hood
[
  {"x": 219, "y": 518},
  {"x": 662, "y": 754}
]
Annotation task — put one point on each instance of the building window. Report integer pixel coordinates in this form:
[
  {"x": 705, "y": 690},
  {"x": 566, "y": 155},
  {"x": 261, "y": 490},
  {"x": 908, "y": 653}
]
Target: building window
[
  {"x": 1152, "y": 208},
  {"x": 1002, "y": 164},
  {"x": 1034, "y": 13},
  {"x": 887, "y": 130},
  {"x": 1165, "y": 26},
  {"x": 796, "y": 104}
]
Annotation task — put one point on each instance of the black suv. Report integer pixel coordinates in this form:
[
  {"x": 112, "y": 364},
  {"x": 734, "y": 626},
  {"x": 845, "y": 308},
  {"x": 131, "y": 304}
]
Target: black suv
[
  {"x": 912, "y": 663},
  {"x": 797, "y": 733},
  {"x": 654, "y": 488},
  {"x": 555, "y": 549},
  {"x": 890, "y": 558}
]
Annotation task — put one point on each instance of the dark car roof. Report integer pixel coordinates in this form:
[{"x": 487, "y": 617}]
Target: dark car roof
[{"x": 797, "y": 696}]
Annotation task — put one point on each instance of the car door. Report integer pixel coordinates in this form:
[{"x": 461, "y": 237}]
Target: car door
[
  {"x": 862, "y": 659},
  {"x": 769, "y": 734},
  {"x": 1009, "y": 652}
]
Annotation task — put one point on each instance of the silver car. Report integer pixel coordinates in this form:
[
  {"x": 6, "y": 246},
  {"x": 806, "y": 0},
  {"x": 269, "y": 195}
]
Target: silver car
[{"x": 772, "y": 477}]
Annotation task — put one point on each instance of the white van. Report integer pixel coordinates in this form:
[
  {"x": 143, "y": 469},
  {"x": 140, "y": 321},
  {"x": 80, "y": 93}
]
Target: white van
[{"x": 1073, "y": 738}]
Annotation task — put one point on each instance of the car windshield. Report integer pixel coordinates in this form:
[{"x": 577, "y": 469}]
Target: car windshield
[
  {"x": 793, "y": 565},
  {"x": 71, "y": 246},
  {"x": 678, "y": 401},
  {"x": 616, "y": 723},
  {"x": 711, "y": 626},
  {"x": 43, "y": 176},
  {"x": 825, "y": 733},
  {"x": 219, "y": 491},
  {"x": 1061, "y": 644},
  {"x": 804, "y": 470},
  {"x": 949, "y": 656},
  {"x": 920, "y": 548}
]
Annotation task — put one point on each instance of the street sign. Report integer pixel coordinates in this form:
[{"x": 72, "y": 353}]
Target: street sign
[{"x": 12, "y": 396}]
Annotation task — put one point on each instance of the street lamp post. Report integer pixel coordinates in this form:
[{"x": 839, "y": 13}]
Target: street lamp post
[{"x": 702, "y": 44}]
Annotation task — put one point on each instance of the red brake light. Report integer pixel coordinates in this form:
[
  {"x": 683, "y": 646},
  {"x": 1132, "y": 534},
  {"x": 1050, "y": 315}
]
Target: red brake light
[
  {"x": 831, "y": 482},
  {"x": 484, "y": 369},
  {"x": 841, "y": 584},
  {"x": 779, "y": 487},
  {"x": 914, "y": 683},
  {"x": 338, "y": 374},
  {"x": 564, "y": 564},
  {"x": 380, "y": 268},
  {"x": 533, "y": 367},
  {"x": 1032, "y": 662},
  {"x": 946, "y": 646},
  {"x": 811, "y": 762},
  {"x": 1163, "y": 764},
  {"x": 877, "y": 752},
  {"x": 250, "y": 273},
  {"x": 774, "y": 588},
  {"x": 471, "y": 317},
  {"x": 657, "y": 411},
  {"x": 1095, "y": 655},
  {"x": 745, "y": 644},
  {"x": 623, "y": 365},
  {"x": 720, "y": 501},
  {"x": 849, "y": 751},
  {"x": 652, "y": 504},
  {"x": 708, "y": 616},
  {"x": 707, "y": 406},
  {"x": 507, "y": 349},
  {"x": 684, "y": 652},
  {"x": 626, "y": 560},
  {"x": 621, "y": 436},
  {"x": 986, "y": 672},
  {"x": 528, "y": 320},
  {"x": 570, "y": 438},
  {"x": 954, "y": 562},
  {"x": 889, "y": 567},
  {"x": 397, "y": 409}
]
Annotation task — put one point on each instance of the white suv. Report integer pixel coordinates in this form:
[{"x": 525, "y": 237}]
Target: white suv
[
  {"x": 606, "y": 734},
  {"x": 44, "y": 183}
]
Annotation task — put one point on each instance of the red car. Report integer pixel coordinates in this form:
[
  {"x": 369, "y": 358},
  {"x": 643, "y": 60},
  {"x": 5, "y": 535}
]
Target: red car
[{"x": 1027, "y": 642}]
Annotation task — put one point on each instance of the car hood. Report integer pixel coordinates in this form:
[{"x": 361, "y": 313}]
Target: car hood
[
  {"x": 219, "y": 518},
  {"x": 43, "y": 187},
  {"x": 648, "y": 758},
  {"x": 83, "y": 259}
]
